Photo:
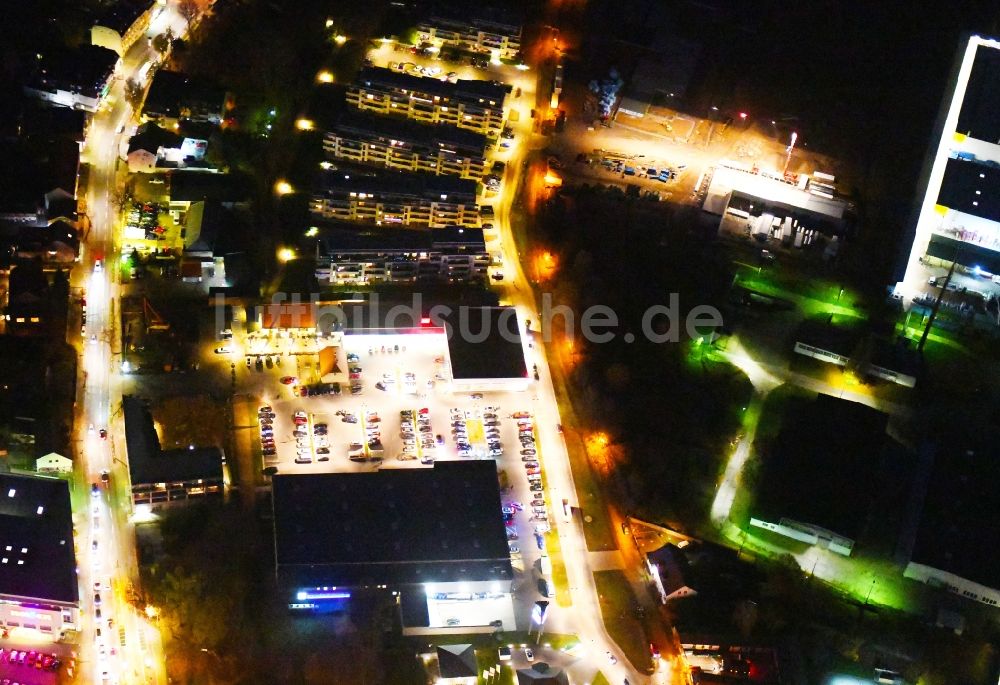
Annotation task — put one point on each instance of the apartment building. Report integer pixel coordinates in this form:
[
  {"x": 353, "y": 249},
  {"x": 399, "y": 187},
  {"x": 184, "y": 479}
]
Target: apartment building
[
  {"x": 123, "y": 24},
  {"x": 467, "y": 104},
  {"x": 407, "y": 146},
  {"x": 349, "y": 255},
  {"x": 388, "y": 199},
  {"x": 491, "y": 31}
]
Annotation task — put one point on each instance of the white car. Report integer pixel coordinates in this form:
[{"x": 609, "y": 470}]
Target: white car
[
  {"x": 223, "y": 350},
  {"x": 98, "y": 266}
]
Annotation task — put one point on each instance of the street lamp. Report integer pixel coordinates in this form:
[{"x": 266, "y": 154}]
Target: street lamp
[
  {"x": 283, "y": 188},
  {"x": 325, "y": 76},
  {"x": 304, "y": 124}
]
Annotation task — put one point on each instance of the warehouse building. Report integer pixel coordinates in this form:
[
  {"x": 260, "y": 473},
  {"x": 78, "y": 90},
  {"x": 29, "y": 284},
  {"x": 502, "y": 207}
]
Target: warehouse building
[
  {"x": 39, "y": 589},
  {"x": 824, "y": 472},
  {"x": 472, "y": 105},
  {"x": 767, "y": 207},
  {"x": 407, "y": 146},
  {"x": 958, "y": 538},
  {"x": 958, "y": 218},
  {"x": 434, "y": 537}
]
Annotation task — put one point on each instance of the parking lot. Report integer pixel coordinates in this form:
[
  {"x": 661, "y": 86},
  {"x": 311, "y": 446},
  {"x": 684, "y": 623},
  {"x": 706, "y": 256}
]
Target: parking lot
[
  {"x": 366, "y": 431},
  {"x": 32, "y": 664}
]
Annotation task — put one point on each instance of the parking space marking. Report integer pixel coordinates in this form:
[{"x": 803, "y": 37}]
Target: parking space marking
[{"x": 476, "y": 433}]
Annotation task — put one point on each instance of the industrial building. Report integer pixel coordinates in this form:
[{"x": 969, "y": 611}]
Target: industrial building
[
  {"x": 476, "y": 106},
  {"x": 162, "y": 477},
  {"x": 771, "y": 208},
  {"x": 958, "y": 538},
  {"x": 823, "y": 474},
  {"x": 435, "y": 537},
  {"x": 39, "y": 588},
  {"x": 352, "y": 255},
  {"x": 489, "y": 31},
  {"x": 407, "y": 146},
  {"x": 958, "y": 218},
  {"x": 397, "y": 199}
]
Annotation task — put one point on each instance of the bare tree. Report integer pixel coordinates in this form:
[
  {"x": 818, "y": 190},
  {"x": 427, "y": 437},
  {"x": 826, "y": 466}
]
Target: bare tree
[
  {"x": 134, "y": 93},
  {"x": 187, "y": 9}
]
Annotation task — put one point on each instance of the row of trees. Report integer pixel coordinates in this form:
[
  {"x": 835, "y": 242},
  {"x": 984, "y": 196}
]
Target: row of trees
[{"x": 671, "y": 419}]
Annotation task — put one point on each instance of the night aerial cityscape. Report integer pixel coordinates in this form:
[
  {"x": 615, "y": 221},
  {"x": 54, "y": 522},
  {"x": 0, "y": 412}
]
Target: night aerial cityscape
[{"x": 500, "y": 342}]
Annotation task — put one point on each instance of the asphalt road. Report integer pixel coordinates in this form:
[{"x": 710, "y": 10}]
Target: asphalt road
[{"x": 120, "y": 646}]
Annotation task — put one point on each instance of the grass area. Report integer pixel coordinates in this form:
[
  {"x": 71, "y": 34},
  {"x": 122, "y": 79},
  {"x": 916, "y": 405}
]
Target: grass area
[
  {"x": 598, "y": 532},
  {"x": 776, "y": 405},
  {"x": 600, "y": 679},
  {"x": 617, "y": 610},
  {"x": 811, "y": 296},
  {"x": 559, "y": 579}
]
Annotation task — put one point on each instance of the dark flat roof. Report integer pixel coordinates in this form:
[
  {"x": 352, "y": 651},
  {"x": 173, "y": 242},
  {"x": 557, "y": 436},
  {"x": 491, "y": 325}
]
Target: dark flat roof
[
  {"x": 192, "y": 186},
  {"x": 825, "y": 465},
  {"x": 426, "y": 186},
  {"x": 485, "y": 342},
  {"x": 346, "y": 237},
  {"x": 122, "y": 14},
  {"x": 35, "y": 166},
  {"x": 464, "y": 89},
  {"x": 84, "y": 69},
  {"x": 395, "y": 526},
  {"x": 411, "y": 132},
  {"x": 826, "y": 336},
  {"x": 962, "y": 181},
  {"x": 480, "y": 15},
  {"x": 978, "y": 116},
  {"x": 959, "y": 530},
  {"x": 48, "y": 570},
  {"x": 173, "y": 90},
  {"x": 148, "y": 463}
]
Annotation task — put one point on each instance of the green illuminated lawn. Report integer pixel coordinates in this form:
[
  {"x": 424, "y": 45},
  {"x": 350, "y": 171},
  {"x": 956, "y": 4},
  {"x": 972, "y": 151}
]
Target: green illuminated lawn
[{"x": 812, "y": 295}]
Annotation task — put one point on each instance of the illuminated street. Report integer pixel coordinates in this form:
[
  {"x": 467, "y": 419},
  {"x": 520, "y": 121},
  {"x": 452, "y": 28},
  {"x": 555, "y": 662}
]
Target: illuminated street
[
  {"x": 571, "y": 342},
  {"x": 128, "y": 648}
]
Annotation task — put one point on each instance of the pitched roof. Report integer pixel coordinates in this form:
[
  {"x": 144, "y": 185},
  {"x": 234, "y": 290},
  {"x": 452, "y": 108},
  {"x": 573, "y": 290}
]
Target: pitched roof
[
  {"x": 152, "y": 137},
  {"x": 148, "y": 463},
  {"x": 457, "y": 661}
]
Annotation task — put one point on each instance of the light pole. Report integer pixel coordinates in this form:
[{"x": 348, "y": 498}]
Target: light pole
[{"x": 788, "y": 153}]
